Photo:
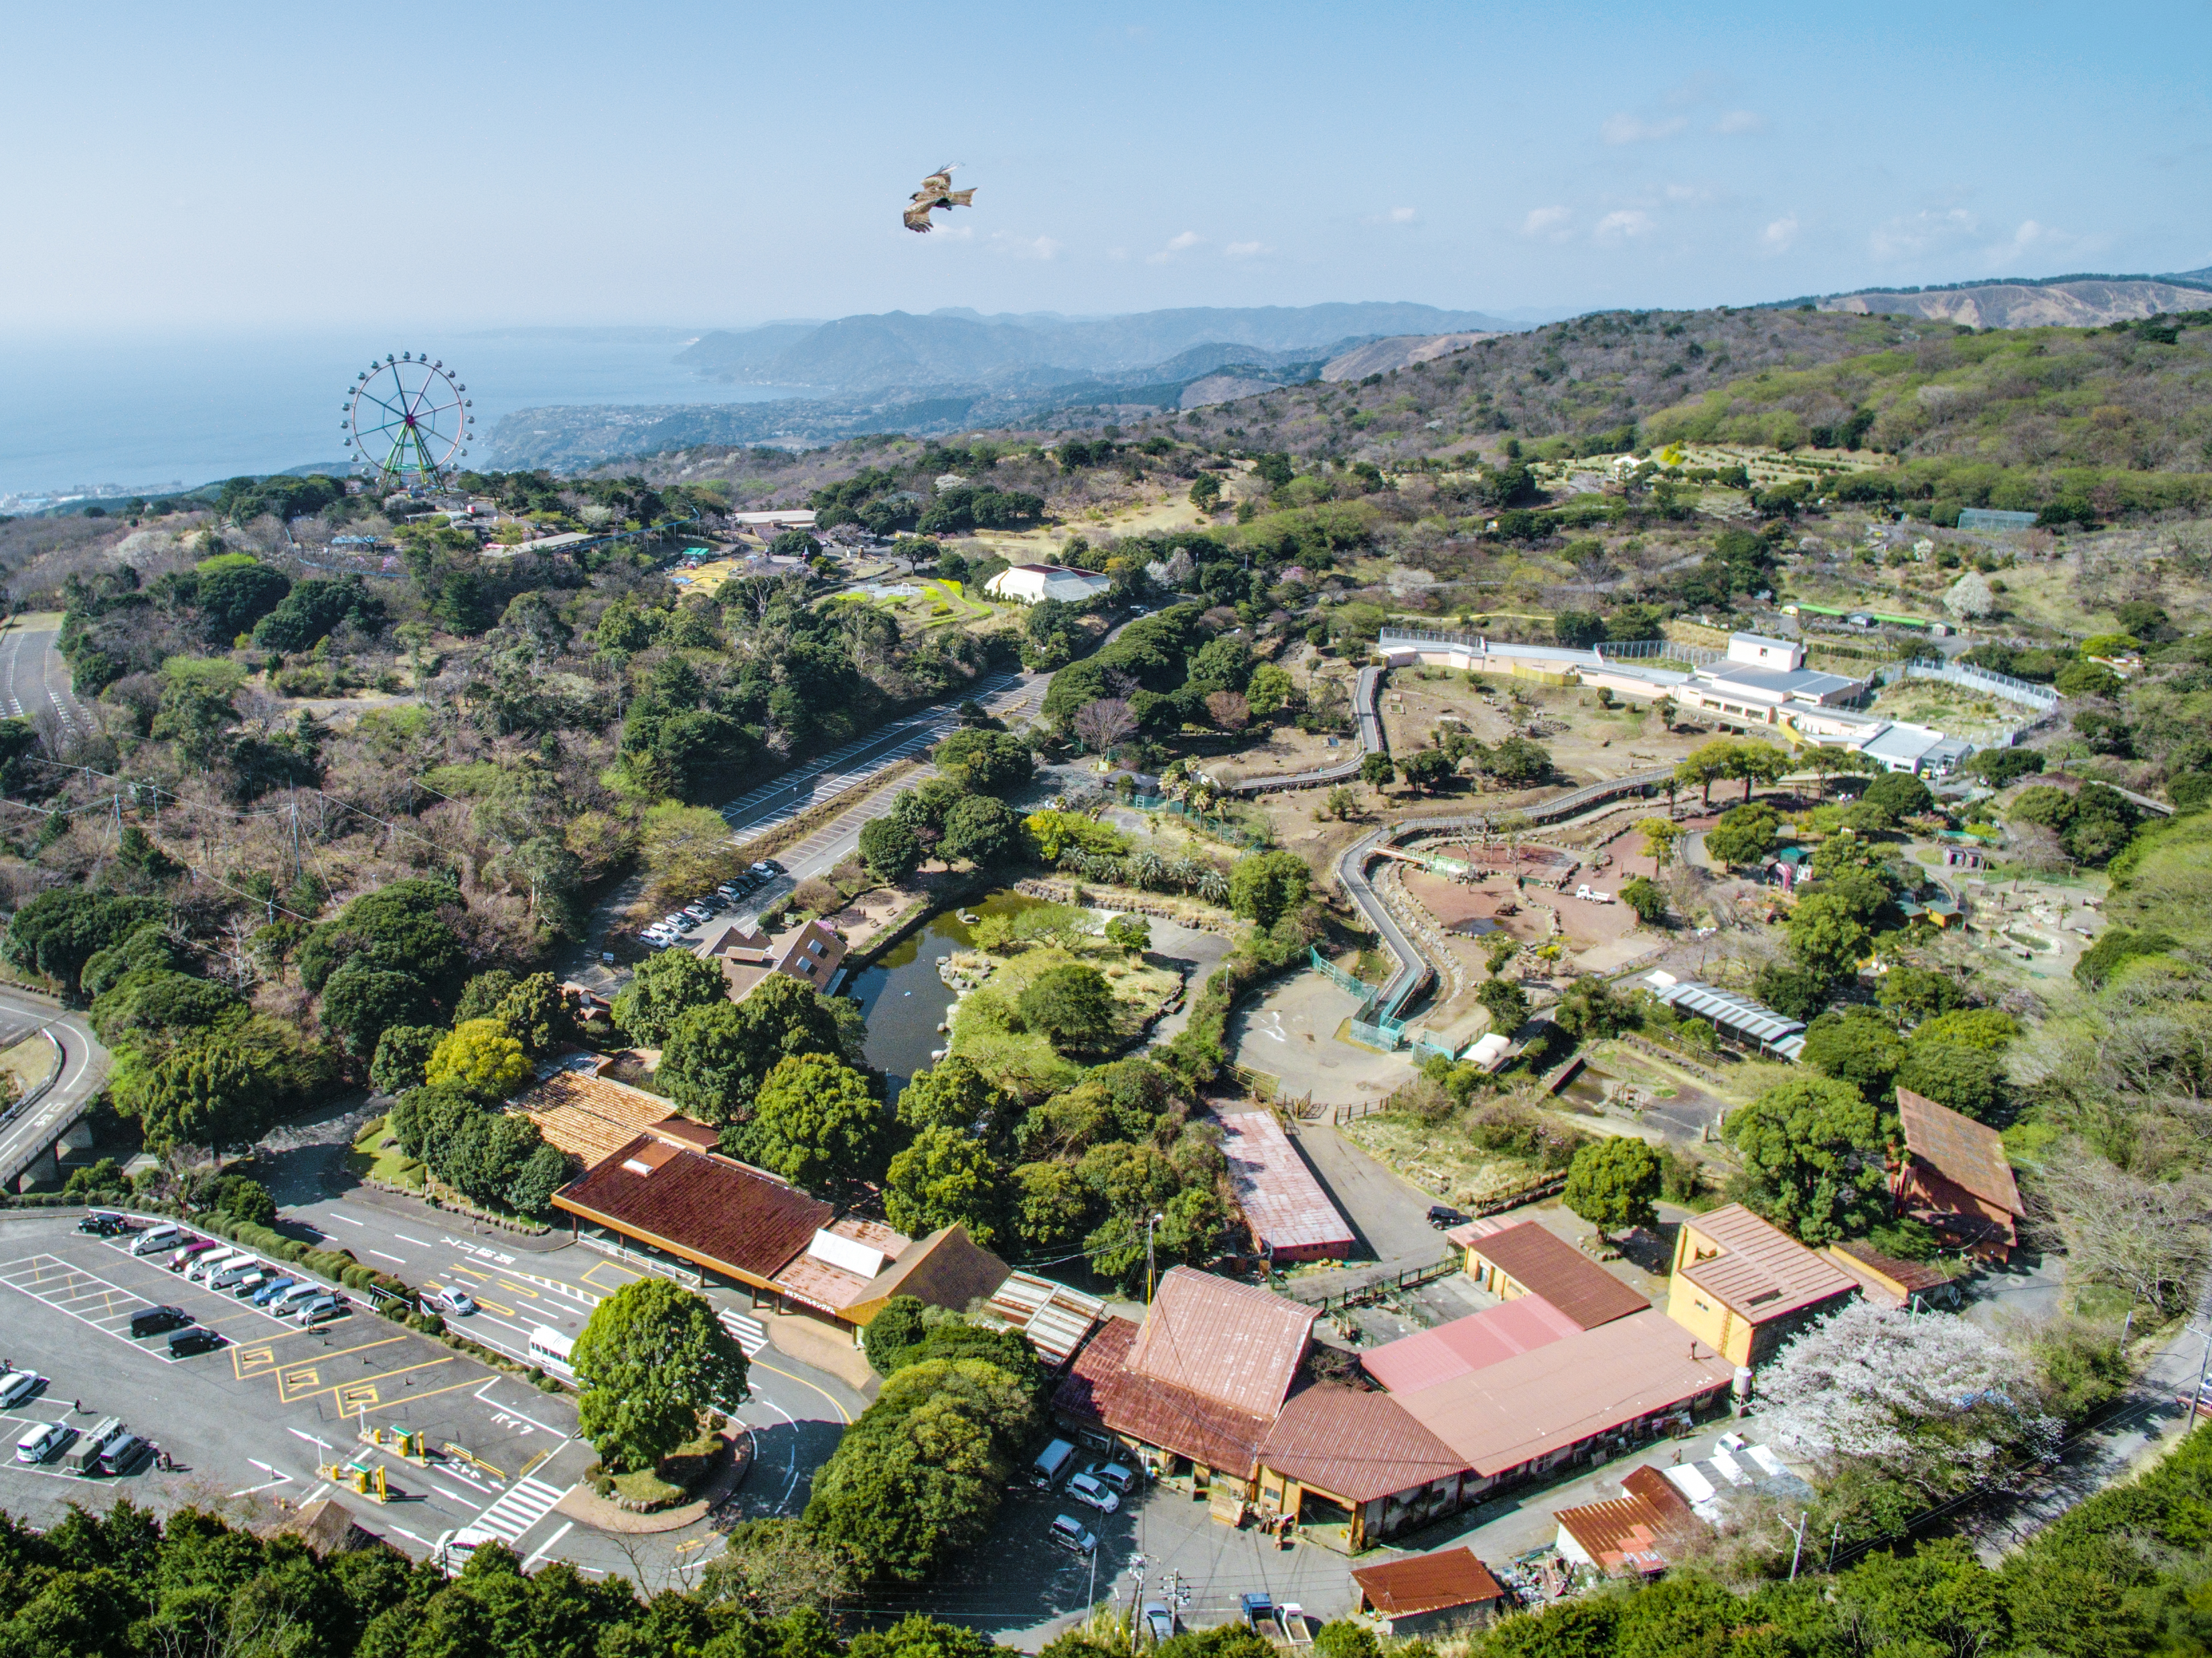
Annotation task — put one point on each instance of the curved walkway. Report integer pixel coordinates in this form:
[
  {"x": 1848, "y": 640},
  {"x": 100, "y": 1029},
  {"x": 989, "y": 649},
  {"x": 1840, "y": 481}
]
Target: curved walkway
[{"x": 1370, "y": 742}]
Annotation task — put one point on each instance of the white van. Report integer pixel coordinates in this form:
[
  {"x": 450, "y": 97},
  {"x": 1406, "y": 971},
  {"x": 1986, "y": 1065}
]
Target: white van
[
  {"x": 290, "y": 1301},
  {"x": 203, "y": 1269},
  {"x": 157, "y": 1238},
  {"x": 230, "y": 1277},
  {"x": 43, "y": 1439},
  {"x": 318, "y": 1309},
  {"x": 452, "y": 1549}
]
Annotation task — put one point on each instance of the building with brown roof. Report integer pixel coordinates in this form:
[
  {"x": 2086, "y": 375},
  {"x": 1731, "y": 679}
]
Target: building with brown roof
[
  {"x": 1891, "y": 1283},
  {"x": 1526, "y": 1260},
  {"x": 1580, "y": 1398},
  {"x": 591, "y": 1117},
  {"x": 1956, "y": 1177},
  {"x": 811, "y": 952},
  {"x": 1235, "y": 1343},
  {"x": 1429, "y": 1593},
  {"x": 1429, "y": 1357},
  {"x": 1639, "y": 1533},
  {"x": 1745, "y": 1287},
  {"x": 1291, "y": 1216}
]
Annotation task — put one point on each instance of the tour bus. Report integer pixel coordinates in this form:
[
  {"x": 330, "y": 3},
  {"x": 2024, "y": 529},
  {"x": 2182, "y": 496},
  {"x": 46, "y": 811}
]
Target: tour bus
[{"x": 550, "y": 1351}]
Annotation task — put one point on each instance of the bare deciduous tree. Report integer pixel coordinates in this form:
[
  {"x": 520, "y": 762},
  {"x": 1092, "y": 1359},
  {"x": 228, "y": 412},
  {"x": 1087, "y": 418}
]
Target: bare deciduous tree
[
  {"x": 2144, "y": 1236},
  {"x": 1105, "y": 724}
]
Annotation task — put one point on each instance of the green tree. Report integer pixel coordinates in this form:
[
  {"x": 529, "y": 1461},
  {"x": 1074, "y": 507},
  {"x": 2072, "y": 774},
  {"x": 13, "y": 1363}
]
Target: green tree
[
  {"x": 666, "y": 985},
  {"x": 1206, "y": 491},
  {"x": 1578, "y": 629},
  {"x": 1660, "y": 835},
  {"x": 1377, "y": 771},
  {"x": 206, "y": 1092},
  {"x": 1701, "y": 768},
  {"x": 1754, "y": 763},
  {"x": 1130, "y": 934},
  {"x": 945, "y": 1177},
  {"x": 988, "y": 762},
  {"x": 1508, "y": 1003},
  {"x": 1427, "y": 769},
  {"x": 535, "y": 1013},
  {"x": 1812, "y": 1153},
  {"x": 1745, "y": 834},
  {"x": 816, "y": 1123},
  {"x": 1855, "y": 1045},
  {"x": 955, "y": 1093},
  {"x": 1053, "y": 1209},
  {"x": 1072, "y": 1004},
  {"x": 983, "y": 830},
  {"x": 894, "y": 1332},
  {"x": 1826, "y": 935},
  {"x": 1647, "y": 898},
  {"x": 480, "y": 996},
  {"x": 651, "y": 1360},
  {"x": 400, "y": 927},
  {"x": 1265, "y": 887},
  {"x": 1900, "y": 794},
  {"x": 402, "y": 1053},
  {"x": 360, "y": 1000},
  {"x": 480, "y": 1059},
  {"x": 1269, "y": 691},
  {"x": 1969, "y": 1080},
  {"x": 1614, "y": 1182},
  {"x": 889, "y": 850},
  {"x": 57, "y": 932}
]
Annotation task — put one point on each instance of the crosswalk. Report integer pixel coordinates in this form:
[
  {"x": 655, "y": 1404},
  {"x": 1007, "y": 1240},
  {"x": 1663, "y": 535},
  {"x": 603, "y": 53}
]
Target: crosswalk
[
  {"x": 529, "y": 1502},
  {"x": 751, "y": 1334}
]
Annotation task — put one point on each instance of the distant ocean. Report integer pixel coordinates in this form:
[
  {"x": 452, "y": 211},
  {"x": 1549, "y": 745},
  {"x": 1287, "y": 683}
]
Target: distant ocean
[{"x": 155, "y": 413}]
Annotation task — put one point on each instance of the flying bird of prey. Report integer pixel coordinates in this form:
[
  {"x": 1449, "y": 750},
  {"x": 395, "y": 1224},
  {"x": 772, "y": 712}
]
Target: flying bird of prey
[{"x": 936, "y": 190}]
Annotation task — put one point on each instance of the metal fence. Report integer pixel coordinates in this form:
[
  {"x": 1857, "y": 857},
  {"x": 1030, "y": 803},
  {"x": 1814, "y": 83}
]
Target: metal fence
[
  {"x": 2041, "y": 697},
  {"x": 1632, "y": 650}
]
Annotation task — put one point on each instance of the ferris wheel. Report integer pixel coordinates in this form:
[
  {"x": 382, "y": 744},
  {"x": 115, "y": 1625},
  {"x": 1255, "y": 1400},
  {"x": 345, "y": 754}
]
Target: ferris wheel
[{"x": 407, "y": 418}]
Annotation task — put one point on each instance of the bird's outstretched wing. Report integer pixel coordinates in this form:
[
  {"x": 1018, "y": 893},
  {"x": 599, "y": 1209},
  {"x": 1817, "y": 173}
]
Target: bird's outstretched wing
[
  {"x": 917, "y": 217},
  {"x": 937, "y": 183}
]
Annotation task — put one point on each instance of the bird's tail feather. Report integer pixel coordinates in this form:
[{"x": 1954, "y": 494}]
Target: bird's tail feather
[{"x": 961, "y": 198}]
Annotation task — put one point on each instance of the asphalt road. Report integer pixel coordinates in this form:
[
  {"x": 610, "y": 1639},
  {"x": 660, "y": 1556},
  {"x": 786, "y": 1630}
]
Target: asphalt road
[
  {"x": 83, "y": 1072},
  {"x": 34, "y": 679}
]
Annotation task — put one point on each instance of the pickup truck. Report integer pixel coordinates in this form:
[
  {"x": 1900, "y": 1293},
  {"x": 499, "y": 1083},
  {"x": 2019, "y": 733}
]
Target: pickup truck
[
  {"x": 1296, "y": 1628},
  {"x": 1593, "y": 895},
  {"x": 1259, "y": 1616}
]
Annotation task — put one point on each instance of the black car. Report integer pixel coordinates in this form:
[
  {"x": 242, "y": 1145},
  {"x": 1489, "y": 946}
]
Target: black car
[
  {"x": 152, "y": 1321},
  {"x": 1442, "y": 1215},
  {"x": 198, "y": 1339},
  {"x": 104, "y": 1226}
]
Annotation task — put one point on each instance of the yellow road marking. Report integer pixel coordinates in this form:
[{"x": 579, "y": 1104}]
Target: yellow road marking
[
  {"x": 353, "y": 1396},
  {"x": 505, "y": 1283},
  {"x": 292, "y": 1382},
  {"x": 339, "y": 1391},
  {"x": 481, "y": 1277},
  {"x": 497, "y": 1307},
  {"x": 592, "y": 1278},
  {"x": 415, "y": 1394},
  {"x": 803, "y": 1383}
]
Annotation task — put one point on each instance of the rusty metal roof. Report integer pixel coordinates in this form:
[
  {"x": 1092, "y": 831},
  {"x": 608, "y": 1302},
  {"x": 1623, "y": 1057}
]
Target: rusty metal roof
[
  {"x": 1280, "y": 1198},
  {"x": 1760, "y": 1273},
  {"x": 1056, "y": 1319},
  {"x": 592, "y": 1118},
  {"x": 1636, "y": 1531},
  {"x": 1429, "y": 1357},
  {"x": 1353, "y": 1445},
  {"x": 1966, "y": 1153},
  {"x": 708, "y": 1210},
  {"x": 1428, "y": 1583},
  {"x": 1101, "y": 1388},
  {"x": 1234, "y": 1344},
  {"x": 1546, "y": 1265}
]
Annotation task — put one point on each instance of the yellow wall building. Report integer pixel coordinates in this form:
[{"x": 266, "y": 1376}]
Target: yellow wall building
[{"x": 1743, "y": 1287}]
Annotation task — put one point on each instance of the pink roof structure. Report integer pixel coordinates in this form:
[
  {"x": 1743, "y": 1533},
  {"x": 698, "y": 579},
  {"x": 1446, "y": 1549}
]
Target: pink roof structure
[
  {"x": 1430, "y": 1357},
  {"x": 1289, "y": 1213}
]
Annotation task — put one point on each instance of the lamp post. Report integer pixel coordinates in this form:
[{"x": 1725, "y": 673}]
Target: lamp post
[{"x": 1152, "y": 1221}]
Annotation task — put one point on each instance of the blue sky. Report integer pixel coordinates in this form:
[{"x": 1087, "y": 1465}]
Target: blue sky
[{"x": 232, "y": 166}]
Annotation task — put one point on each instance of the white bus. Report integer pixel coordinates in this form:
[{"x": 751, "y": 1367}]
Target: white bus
[{"x": 550, "y": 1351}]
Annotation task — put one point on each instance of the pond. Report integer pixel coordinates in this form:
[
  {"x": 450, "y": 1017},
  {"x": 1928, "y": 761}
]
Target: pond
[{"x": 904, "y": 999}]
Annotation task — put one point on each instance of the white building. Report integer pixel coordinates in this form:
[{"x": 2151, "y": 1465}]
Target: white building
[{"x": 1028, "y": 583}]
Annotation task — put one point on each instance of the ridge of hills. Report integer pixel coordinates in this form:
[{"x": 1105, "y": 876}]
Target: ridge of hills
[{"x": 2080, "y": 300}]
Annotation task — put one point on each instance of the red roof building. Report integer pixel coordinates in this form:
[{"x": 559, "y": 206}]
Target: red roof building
[
  {"x": 1291, "y": 1216},
  {"x": 1526, "y": 1260},
  {"x": 1639, "y": 1533},
  {"x": 1426, "y": 1593},
  {"x": 1955, "y": 1176},
  {"x": 1449, "y": 1350}
]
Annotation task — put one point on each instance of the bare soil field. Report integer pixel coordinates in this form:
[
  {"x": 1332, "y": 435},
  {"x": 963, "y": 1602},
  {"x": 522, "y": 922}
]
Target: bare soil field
[{"x": 1285, "y": 749}]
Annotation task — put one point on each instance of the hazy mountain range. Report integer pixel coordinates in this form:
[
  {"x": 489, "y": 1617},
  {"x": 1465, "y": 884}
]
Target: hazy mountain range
[{"x": 2075, "y": 302}]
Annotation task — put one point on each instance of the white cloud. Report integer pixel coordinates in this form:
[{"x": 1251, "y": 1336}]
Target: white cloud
[
  {"x": 1910, "y": 235},
  {"x": 944, "y": 233},
  {"x": 1548, "y": 222},
  {"x": 1178, "y": 244},
  {"x": 1626, "y": 129},
  {"x": 1623, "y": 225},
  {"x": 1700, "y": 194},
  {"x": 1402, "y": 215},
  {"x": 1740, "y": 121},
  {"x": 1246, "y": 250},
  {"x": 1779, "y": 237},
  {"x": 1032, "y": 247}
]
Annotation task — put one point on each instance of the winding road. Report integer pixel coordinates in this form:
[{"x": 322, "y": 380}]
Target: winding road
[
  {"x": 34, "y": 679},
  {"x": 26, "y": 1136}
]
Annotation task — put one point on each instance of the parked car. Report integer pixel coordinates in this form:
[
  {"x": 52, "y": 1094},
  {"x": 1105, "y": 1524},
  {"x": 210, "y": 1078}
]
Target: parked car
[
  {"x": 1066, "y": 1532},
  {"x": 1160, "y": 1621},
  {"x": 198, "y": 1339},
  {"x": 459, "y": 1303},
  {"x": 1444, "y": 1215},
  {"x": 1593, "y": 895},
  {"x": 121, "y": 1453},
  {"x": 156, "y": 1320},
  {"x": 269, "y": 1292},
  {"x": 155, "y": 1240},
  {"x": 768, "y": 866},
  {"x": 320, "y": 1310},
  {"x": 1092, "y": 1494},
  {"x": 103, "y": 1225},
  {"x": 250, "y": 1283},
  {"x": 290, "y": 1302},
  {"x": 1114, "y": 1476},
  {"x": 43, "y": 1441},
  {"x": 230, "y": 1277},
  {"x": 699, "y": 913},
  {"x": 189, "y": 1252},
  {"x": 18, "y": 1385},
  {"x": 730, "y": 891}
]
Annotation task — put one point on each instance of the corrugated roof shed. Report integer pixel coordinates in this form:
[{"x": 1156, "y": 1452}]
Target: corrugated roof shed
[
  {"x": 1968, "y": 1154},
  {"x": 1289, "y": 1212},
  {"x": 1527, "y": 1406},
  {"x": 1546, "y": 1265},
  {"x": 1101, "y": 1388},
  {"x": 1737, "y": 1015},
  {"x": 707, "y": 1210},
  {"x": 1429, "y": 1357},
  {"x": 1054, "y": 1318},
  {"x": 1428, "y": 1583},
  {"x": 1761, "y": 1273},
  {"x": 1354, "y": 1445},
  {"x": 1636, "y": 1531},
  {"x": 946, "y": 1269},
  {"x": 1235, "y": 1343},
  {"x": 1892, "y": 1281}
]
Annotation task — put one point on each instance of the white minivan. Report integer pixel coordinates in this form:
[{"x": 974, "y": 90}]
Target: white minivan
[
  {"x": 291, "y": 1300},
  {"x": 43, "y": 1439},
  {"x": 230, "y": 1277},
  {"x": 155, "y": 1240},
  {"x": 203, "y": 1269}
]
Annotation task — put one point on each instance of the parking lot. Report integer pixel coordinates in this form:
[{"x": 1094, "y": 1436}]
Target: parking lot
[{"x": 250, "y": 1425}]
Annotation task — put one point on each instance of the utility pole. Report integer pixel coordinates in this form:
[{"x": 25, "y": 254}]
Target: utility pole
[
  {"x": 1798, "y": 1552},
  {"x": 1152, "y": 1221},
  {"x": 2204, "y": 1366}
]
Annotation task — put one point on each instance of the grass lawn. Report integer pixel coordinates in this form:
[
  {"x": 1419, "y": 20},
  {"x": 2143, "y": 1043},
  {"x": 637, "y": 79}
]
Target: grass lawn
[
  {"x": 987, "y": 1029},
  {"x": 1436, "y": 1158},
  {"x": 376, "y": 1155},
  {"x": 25, "y": 1066}
]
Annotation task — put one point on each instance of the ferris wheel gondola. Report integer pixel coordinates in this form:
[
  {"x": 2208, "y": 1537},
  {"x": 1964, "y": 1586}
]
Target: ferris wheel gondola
[{"x": 407, "y": 420}]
